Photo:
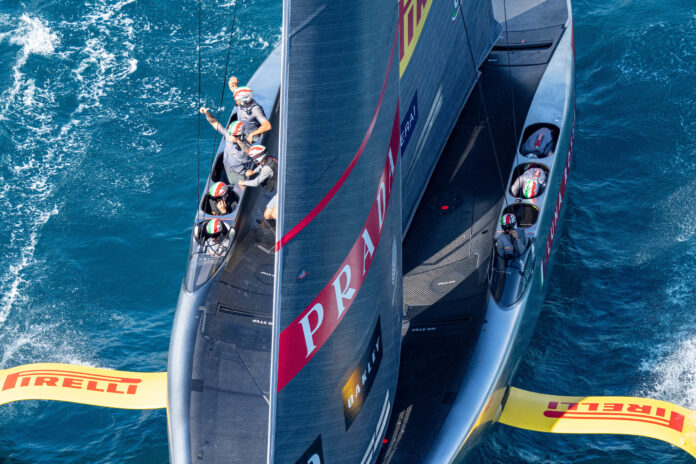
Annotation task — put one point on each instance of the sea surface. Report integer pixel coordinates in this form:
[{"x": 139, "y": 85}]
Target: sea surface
[{"x": 98, "y": 170}]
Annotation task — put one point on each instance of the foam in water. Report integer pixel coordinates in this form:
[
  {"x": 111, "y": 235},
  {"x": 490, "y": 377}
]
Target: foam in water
[
  {"x": 34, "y": 37},
  {"x": 675, "y": 375},
  {"x": 47, "y": 143}
]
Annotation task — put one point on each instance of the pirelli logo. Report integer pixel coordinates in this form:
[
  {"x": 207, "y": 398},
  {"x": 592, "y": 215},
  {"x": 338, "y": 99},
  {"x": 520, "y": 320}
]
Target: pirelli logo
[
  {"x": 632, "y": 412},
  {"x": 73, "y": 380},
  {"x": 85, "y": 385},
  {"x": 623, "y": 415}
]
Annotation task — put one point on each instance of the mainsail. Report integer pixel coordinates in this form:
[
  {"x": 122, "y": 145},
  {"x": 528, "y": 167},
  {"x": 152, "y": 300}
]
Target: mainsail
[{"x": 337, "y": 302}]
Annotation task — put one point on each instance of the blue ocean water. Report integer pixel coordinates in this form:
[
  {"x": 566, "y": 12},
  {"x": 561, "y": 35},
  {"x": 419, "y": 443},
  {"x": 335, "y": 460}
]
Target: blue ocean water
[{"x": 98, "y": 142}]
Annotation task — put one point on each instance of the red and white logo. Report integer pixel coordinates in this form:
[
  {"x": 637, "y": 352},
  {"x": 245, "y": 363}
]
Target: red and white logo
[
  {"x": 619, "y": 411},
  {"x": 559, "y": 202},
  {"x": 303, "y": 338},
  {"x": 71, "y": 379}
]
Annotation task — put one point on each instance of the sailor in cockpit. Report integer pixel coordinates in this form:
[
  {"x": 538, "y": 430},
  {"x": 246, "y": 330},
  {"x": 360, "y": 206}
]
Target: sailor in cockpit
[
  {"x": 212, "y": 234},
  {"x": 512, "y": 243},
  {"x": 249, "y": 111},
  {"x": 235, "y": 158},
  {"x": 266, "y": 175},
  {"x": 530, "y": 184},
  {"x": 539, "y": 144},
  {"x": 219, "y": 199}
]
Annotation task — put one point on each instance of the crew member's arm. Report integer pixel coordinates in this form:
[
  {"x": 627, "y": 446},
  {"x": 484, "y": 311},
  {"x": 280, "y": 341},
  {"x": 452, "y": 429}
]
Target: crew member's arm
[
  {"x": 221, "y": 206},
  {"x": 213, "y": 122},
  {"x": 251, "y": 172},
  {"x": 265, "y": 124},
  {"x": 266, "y": 172}
]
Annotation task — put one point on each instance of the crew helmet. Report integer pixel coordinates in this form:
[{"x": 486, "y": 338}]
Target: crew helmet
[
  {"x": 218, "y": 190},
  {"x": 531, "y": 189},
  {"x": 508, "y": 221},
  {"x": 243, "y": 95},
  {"x": 535, "y": 172},
  {"x": 236, "y": 129},
  {"x": 214, "y": 227},
  {"x": 257, "y": 153}
]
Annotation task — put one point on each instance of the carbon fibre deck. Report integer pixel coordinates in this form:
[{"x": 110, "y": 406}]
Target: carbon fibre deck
[{"x": 229, "y": 388}]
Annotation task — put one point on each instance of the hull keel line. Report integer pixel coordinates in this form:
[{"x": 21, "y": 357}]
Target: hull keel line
[
  {"x": 84, "y": 385},
  {"x": 620, "y": 415}
]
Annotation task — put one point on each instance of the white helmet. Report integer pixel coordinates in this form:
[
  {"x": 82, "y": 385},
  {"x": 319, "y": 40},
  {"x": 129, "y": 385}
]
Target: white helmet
[
  {"x": 508, "y": 221},
  {"x": 257, "y": 153},
  {"x": 243, "y": 95}
]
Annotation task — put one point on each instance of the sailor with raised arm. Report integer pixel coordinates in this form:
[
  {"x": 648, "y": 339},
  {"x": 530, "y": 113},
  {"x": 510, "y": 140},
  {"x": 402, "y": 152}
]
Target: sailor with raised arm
[
  {"x": 235, "y": 159},
  {"x": 511, "y": 244},
  {"x": 249, "y": 111},
  {"x": 531, "y": 183}
]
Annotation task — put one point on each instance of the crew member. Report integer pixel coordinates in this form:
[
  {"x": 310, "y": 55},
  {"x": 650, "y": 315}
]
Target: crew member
[
  {"x": 219, "y": 199},
  {"x": 235, "y": 159},
  {"x": 530, "y": 184},
  {"x": 266, "y": 175},
  {"x": 250, "y": 112},
  {"x": 539, "y": 144},
  {"x": 511, "y": 244},
  {"x": 214, "y": 238},
  {"x": 266, "y": 171}
]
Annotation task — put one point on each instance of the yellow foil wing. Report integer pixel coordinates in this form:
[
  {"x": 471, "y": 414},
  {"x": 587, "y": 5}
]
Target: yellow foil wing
[
  {"x": 601, "y": 414},
  {"x": 86, "y": 385}
]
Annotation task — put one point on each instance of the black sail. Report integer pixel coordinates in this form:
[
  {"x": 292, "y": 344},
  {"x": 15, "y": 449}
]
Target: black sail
[
  {"x": 437, "y": 78},
  {"x": 337, "y": 302}
]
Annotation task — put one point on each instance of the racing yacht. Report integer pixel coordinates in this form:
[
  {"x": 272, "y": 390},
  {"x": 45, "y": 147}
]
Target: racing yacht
[{"x": 374, "y": 321}]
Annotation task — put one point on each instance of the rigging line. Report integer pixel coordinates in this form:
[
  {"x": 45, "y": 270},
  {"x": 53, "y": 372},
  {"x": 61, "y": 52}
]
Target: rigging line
[
  {"x": 198, "y": 156},
  {"x": 224, "y": 78},
  {"x": 483, "y": 102},
  {"x": 512, "y": 87}
]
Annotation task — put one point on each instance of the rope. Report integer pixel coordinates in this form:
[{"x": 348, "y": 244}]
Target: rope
[
  {"x": 512, "y": 87},
  {"x": 483, "y": 102},
  {"x": 224, "y": 79},
  {"x": 198, "y": 157}
]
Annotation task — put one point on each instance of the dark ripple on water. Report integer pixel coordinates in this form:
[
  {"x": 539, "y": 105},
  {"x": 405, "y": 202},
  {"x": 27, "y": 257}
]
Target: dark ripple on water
[{"x": 97, "y": 125}]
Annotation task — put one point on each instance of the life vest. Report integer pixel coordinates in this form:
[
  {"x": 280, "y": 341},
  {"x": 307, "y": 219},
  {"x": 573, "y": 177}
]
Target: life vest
[{"x": 272, "y": 182}]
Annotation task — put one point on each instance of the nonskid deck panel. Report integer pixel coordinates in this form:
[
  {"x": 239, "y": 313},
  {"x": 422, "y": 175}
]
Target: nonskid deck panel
[{"x": 232, "y": 353}]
